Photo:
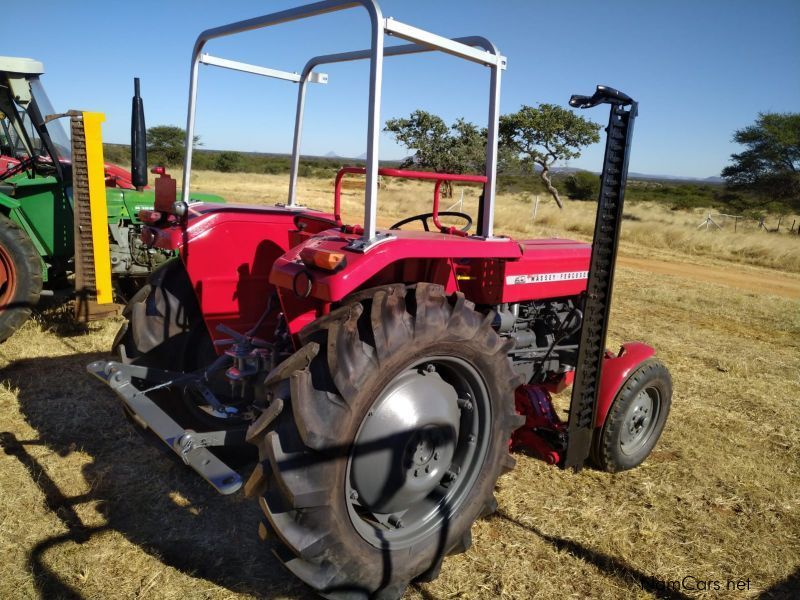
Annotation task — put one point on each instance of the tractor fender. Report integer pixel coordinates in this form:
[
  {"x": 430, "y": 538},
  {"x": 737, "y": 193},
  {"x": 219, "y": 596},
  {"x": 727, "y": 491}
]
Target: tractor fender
[
  {"x": 616, "y": 370},
  {"x": 20, "y": 218},
  {"x": 426, "y": 255},
  {"x": 9, "y": 203}
]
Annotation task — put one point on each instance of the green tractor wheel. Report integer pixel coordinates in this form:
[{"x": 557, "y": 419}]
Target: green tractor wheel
[{"x": 20, "y": 277}]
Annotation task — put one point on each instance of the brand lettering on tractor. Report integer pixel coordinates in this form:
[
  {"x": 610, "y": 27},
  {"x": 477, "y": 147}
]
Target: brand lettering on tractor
[{"x": 546, "y": 277}]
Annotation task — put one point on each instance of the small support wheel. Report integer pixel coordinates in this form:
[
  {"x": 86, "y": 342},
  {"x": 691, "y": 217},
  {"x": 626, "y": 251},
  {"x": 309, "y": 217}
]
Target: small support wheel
[{"x": 635, "y": 420}]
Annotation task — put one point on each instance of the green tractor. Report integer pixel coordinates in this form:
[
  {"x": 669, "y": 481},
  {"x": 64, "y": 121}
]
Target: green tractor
[{"x": 69, "y": 222}]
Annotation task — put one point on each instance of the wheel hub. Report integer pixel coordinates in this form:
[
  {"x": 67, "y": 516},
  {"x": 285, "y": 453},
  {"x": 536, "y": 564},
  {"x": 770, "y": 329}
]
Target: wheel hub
[
  {"x": 406, "y": 443},
  {"x": 418, "y": 451},
  {"x": 639, "y": 421},
  {"x": 423, "y": 452}
]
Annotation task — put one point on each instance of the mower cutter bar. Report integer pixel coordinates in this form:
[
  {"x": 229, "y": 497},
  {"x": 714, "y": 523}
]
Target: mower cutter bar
[
  {"x": 583, "y": 406},
  {"x": 190, "y": 446}
]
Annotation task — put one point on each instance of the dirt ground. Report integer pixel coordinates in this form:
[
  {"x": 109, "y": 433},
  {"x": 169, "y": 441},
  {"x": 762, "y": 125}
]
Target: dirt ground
[
  {"x": 752, "y": 279},
  {"x": 89, "y": 510}
]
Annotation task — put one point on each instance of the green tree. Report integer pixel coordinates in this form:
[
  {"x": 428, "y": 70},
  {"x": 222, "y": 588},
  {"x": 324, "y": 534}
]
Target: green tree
[
  {"x": 770, "y": 163},
  {"x": 459, "y": 148},
  {"x": 542, "y": 135},
  {"x": 165, "y": 145},
  {"x": 583, "y": 185},
  {"x": 229, "y": 162}
]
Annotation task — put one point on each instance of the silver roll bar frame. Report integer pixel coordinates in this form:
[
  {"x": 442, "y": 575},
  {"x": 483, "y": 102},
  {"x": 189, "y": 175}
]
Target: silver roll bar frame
[{"x": 474, "y": 48}]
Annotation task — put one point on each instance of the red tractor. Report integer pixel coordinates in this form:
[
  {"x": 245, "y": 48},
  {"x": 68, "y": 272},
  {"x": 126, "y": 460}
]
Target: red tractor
[{"x": 384, "y": 375}]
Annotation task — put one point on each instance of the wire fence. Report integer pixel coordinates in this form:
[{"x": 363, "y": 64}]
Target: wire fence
[{"x": 737, "y": 223}]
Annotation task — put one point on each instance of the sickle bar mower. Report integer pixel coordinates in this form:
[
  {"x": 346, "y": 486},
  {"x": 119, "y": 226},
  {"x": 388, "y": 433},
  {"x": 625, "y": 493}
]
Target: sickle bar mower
[{"x": 381, "y": 374}]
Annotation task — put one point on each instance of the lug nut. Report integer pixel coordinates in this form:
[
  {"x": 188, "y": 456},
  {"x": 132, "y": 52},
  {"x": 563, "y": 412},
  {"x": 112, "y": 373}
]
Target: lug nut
[
  {"x": 354, "y": 495},
  {"x": 449, "y": 478},
  {"x": 430, "y": 368}
]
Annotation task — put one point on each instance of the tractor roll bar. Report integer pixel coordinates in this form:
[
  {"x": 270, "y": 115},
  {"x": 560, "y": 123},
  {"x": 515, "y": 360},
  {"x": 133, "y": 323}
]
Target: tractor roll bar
[
  {"x": 401, "y": 50},
  {"x": 489, "y": 57}
]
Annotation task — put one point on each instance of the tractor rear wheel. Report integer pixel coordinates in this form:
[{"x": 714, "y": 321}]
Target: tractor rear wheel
[
  {"x": 383, "y": 441},
  {"x": 20, "y": 277},
  {"x": 159, "y": 320},
  {"x": 636, "y": 419},
  {"x": 164, "y": 329}
]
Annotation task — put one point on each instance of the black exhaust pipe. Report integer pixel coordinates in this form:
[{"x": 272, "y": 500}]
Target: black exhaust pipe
[{"x": 138, "y": 140}]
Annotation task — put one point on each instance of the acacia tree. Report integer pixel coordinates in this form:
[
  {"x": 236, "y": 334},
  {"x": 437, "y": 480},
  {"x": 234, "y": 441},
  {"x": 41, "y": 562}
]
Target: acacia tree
[
  {"x": 459, "y": 148},
  {"x": 770, "y": 164},
  {"x": 545, "y": 134},
  {"x": 165, "y": 144}
]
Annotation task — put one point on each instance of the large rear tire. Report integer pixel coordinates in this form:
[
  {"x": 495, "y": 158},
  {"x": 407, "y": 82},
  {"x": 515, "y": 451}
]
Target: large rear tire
[
  {"x": 160, "y": 319},
  {"x": 383, "y": 441},
  {"x": 20, "y": 277},
  {"x": 164, "y": 329}
]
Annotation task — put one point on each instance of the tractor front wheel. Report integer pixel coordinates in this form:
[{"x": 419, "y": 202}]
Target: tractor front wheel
[
  {"x": 383, "y": 441},
  {"x": 20, "y": 277}
]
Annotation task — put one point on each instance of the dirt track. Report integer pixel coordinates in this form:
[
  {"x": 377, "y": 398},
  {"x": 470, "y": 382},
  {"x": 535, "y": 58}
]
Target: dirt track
[
  {"x": 762, "y": 282},
  {"x": 742, "y": 277}
]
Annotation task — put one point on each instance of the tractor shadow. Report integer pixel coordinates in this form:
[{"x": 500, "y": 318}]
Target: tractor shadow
[
  {"x": 785, "y": 589},
  {"x": 609, "y": 565},
  {"x": 157, "y": 503}
]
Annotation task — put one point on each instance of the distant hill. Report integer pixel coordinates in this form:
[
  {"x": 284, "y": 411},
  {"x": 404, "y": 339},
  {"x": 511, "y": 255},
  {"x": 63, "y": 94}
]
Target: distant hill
[
  {"x": 120, "y": 153},
  {"x": 332, "y": 154},
  {"x": 647, "y": 176},
  {"x": 713, "y": 179}
]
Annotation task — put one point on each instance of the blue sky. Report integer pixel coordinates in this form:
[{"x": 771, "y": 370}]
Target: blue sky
[{"x": 699, "y": 69}]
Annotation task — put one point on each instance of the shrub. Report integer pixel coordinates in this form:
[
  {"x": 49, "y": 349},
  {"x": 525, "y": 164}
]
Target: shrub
[
  {"x": 228, "y": 162},
  {"x": 583, "y": 185}
]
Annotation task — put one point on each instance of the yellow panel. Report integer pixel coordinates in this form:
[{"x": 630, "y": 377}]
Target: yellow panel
[{"x": 97, "y": 203}]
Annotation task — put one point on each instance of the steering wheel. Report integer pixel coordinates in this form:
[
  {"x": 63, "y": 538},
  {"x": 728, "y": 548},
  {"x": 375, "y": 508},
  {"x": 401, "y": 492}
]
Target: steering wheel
[{"x": 425, "y": 216}]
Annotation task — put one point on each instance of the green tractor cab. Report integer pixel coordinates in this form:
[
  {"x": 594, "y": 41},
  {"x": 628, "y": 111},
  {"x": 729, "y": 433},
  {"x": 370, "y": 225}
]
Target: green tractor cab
[{"x": 46, "y": 181}]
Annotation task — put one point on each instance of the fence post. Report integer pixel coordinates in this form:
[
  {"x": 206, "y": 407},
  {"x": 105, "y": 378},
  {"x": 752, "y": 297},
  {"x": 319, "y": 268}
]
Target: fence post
[{"x": 535, "y": 207}]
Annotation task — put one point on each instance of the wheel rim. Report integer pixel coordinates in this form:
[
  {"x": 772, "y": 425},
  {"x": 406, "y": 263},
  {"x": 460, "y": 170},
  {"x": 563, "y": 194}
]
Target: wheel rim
[
  {"x": 8, "y": 278},
  {"x": 640, "y": 420},
  {"x": 418, "y": 452}
]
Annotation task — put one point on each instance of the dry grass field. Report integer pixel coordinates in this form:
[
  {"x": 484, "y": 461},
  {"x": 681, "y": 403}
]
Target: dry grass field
[{"x": 89, "y": 510}]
